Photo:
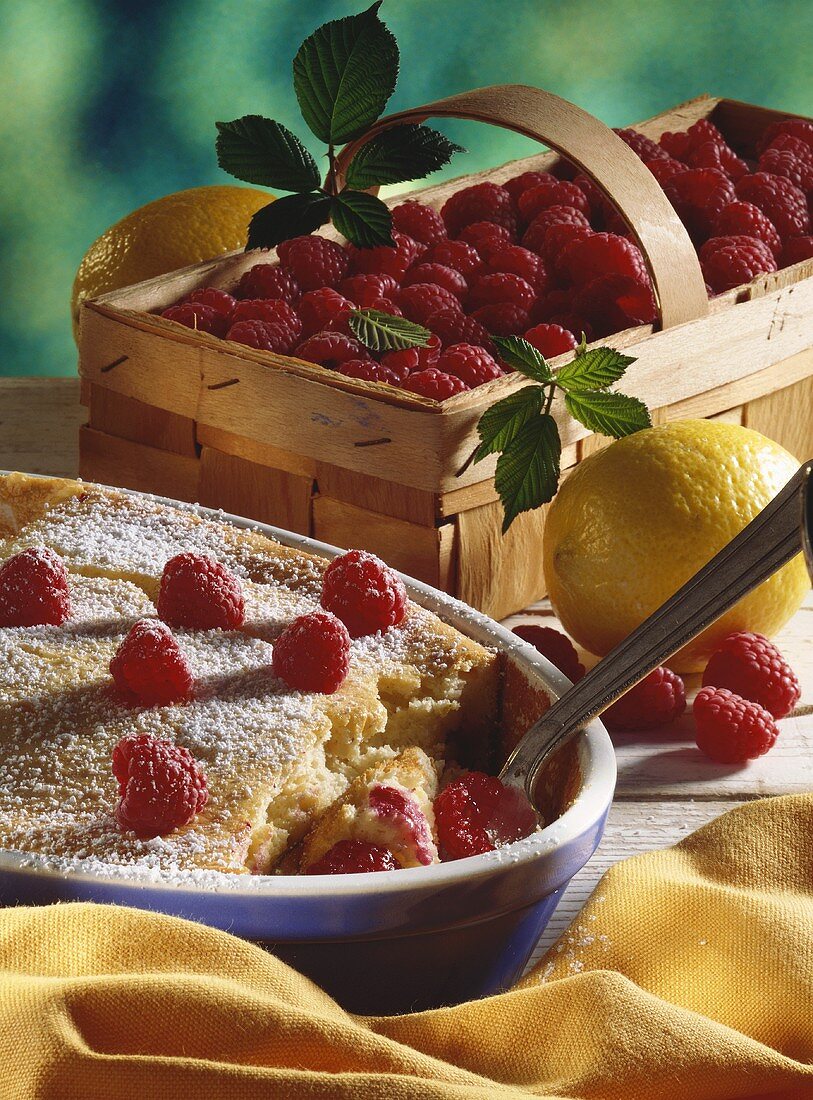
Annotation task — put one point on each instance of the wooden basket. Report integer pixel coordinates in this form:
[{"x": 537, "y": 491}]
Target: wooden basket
[{"x": 355, "y": 463}]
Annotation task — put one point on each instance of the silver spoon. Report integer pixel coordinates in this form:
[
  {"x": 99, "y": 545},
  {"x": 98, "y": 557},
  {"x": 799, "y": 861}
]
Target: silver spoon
[{"x": 777, "y": 534}]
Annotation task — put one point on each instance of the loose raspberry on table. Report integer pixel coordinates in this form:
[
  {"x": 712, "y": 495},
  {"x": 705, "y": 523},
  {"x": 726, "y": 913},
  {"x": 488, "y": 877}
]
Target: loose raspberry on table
[
  {"x": 550, "y": 341},
  {"x": 478, "y": 813},
  {"x": 364, "y": 592},
  {"x": 420, "y": 222},
  {"x": 161, "y": 785},
  {"x": 800, "y": 128},
  {"x": 34, "y": 589},
  {"x": 364, "y": 289},
  {"x": 149, "y": 666},
  {"x": 200, "y": 593},
  {"x": 551, "y": 193},
  {"x": 517, "y": 184},
  {"x": 434, "y": 383},
  {"x": 439, "y": 275},
  {"x": 502, "y": 318},
  {"x": 501, "y": 286},
  {"x": 679, "y": 145},
  {"x": 353, "y": 857},
  {"x": 481, "y": 202},
  {"x": 743, "y": 219},
  {"x": 329, "y": 349},
  {"x": 751, "y": 666},
  {"x": 324, "y": 310},
  {"x": 643, "y": 147},
  {"x": 215, "y": 299},
  {"x": 370, "y": 371},
  {"x": 616, "y": 302},
  {"x": 779, "y": 199},
  {"x": 554, "y": 645},
  {"x": 556, "y": 239},
  {"x": 268, "y": 281},
  {"x": 521, "y": 261},
  {"x": 797, "y": 249},
  {"x": 730, "y": 729},
  {"x": 409, "y": 360},
  {"x": 199, "y": 317},
  {"x": 534, "y": 236},
  {"x": 454, "y": 327},
  {"x": 698, "y": 195},
  {"x": 486, "y": 237},
  {"x": 261, "y": 335},
  {"x": 420, "y": 301},
  {"x": 314, "y": 261},
  {"x": 470, "y": 363},
  {"x": 456, "y": 254},
  {"x": 384, "y": 259},
  {"x": 273, "y": 311},
  {"x": 734, "y": 264},
  {"x": 665, "y": 169},
  {"x": 656, "y": 700},
  {"x": 585, "y": 259},
  {"x": 313, "y": 653},
  {"x": 790, "y": 157}
]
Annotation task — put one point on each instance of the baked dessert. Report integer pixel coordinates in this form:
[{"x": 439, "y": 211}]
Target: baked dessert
[{"x": 277, "y": 773}]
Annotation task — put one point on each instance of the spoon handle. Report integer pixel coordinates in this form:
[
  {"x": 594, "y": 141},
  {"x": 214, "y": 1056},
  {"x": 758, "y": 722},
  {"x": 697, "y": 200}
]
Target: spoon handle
[{"x": 770, "y": 540}]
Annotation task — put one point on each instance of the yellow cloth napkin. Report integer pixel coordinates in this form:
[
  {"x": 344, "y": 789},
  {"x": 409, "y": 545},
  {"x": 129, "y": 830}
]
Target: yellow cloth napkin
[{"x": 688, "y": 975}]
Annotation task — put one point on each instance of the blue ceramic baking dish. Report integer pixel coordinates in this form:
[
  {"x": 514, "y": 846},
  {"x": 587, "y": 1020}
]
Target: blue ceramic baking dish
[{"x": 403, "y": 940}]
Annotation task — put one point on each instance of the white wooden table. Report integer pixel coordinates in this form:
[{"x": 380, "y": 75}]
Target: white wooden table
[{"x": 666, "y": 788}]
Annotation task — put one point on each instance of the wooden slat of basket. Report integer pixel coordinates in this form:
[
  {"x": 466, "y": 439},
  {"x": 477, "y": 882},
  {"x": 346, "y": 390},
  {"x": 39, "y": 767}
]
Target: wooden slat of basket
[
  {"x": 786, "y": 416},
  {"x": 265, "y": 454},
  {"x": 114, "y": 461},
  {"x": 250, "y": 489},
  {"x": 115, "y": 414}
]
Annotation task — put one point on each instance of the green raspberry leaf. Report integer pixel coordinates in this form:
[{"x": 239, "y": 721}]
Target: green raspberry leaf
[
  {"x": 382, "y": 332},
  {"x": 291, "y": 216},
  {"x": 344, "y": 73},
  {"x": 259, "y": 150},
  {"x": 612, "y": 414},
  {"x": 502, "y": 422},
  {"x": 398, "y": 154},
  {"x": 593, "y": 370},
  {"x": 527, "y": 473},
  {"x": 523, "y": 356},
  {"x": 363, "y": 219}
]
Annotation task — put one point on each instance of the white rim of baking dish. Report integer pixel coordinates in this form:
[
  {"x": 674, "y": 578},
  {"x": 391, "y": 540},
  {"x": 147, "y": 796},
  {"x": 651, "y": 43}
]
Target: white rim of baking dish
[{"x": 596, "y": 759}]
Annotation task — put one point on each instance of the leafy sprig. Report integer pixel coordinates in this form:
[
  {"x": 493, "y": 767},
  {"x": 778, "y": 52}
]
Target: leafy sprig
[
  {"x": 343, "y": 74},
  {"x": 521, "y": 430}
]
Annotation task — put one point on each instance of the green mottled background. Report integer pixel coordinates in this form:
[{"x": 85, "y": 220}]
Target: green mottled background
[{"x": 109, "y": 105}]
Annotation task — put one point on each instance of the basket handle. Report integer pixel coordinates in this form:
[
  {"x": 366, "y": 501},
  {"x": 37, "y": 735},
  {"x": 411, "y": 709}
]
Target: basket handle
[{"x": 603, "y": 156}]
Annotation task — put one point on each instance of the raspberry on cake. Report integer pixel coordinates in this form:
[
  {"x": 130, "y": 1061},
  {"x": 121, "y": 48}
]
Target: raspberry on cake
[
  {"x": 200, "y": 593},
  {"x": 34, "y": 589},
  {"x": 149, "y": 666},
  {"x": 364, "y": 593},
  {"x": 313, "y": 653},
  {"x": 478, "y": 813},
  {"x": 161, "y": 786}
]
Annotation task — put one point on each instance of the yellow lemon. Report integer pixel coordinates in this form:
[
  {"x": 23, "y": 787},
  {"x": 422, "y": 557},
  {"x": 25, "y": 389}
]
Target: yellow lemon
[
  {"x": 635, "y": 521},
  {"x": 175, "y": 231}
]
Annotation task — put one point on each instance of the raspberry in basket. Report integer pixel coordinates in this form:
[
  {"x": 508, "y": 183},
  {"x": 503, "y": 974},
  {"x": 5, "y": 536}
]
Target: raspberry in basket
[
  {"x": 478, "y": 813},
  {"x": 149, "y": 666},
  {"x": 587, "y": 258},
  {"x": 470, "y": 363},
  {"x": 679, "y": 145},
  {"x": 790, "y": 157},
  {"x": 34, "y": 589},
  {"x": 550, "y": 340},
  {"x": 420, "y": 222},
  {"x": 200, "y": 593},
  {"x": 800, "y": 128},
  {"x": 482, "y": 202},
  {"x": 797, "y": 249},
  {"x": 215, "y": 299},
  {"x": 729, "y": 729},
  {"x": 779, "y": 199},
  {"x": 199, "y": 317},
  {"x": 409, "y": 360},
  {"x": 656, "y": 700},
  {"x": 554, "y": 645},
  {"x": 261, "y": 335},
  {"x": 161, "y": 785},
  {"x": 268, "y": 281},
  {"x": 502, "y": 318},
  {"x": 616, "y": 302},
  {"x": 324, "y": 310},
  {"x": 734, "y": 264},
  {"x": 486, "y": 237},
  {"x": 534, "y": 236},
  {"x": 313, "y": 653},
  {"x": 752, "y": 667},
  {"x": 712, "y": 154},
  {"x": 743, "y": 219},
  {"x": 501, "y": 286},
  {"x": 329, "y": 349},
  {"x": 364, "y": 289},
  {"x": 551, "y": 193},
  {"x": 517, "y": 184},
  {"x": 457, "y": 254},
  {"x": 665, "y": 169},
  {"x": 643, "y": 147},
  {"x": 420, "y": 301},
  {"x": 434, "y": 383},
  {"x": 314, "y": 261},
  {"x": 364, "y": 593},
  {"x": 698, "y": 195},
  {"x": 273, "y": 311},
  {"x": 386, "y": 260},
  {"x": 520, "y": 261},
  {"x": 555, "y": 240},
  {"x": 352, "y": 857},
  {"x": 370, "y": 371},
  {"x": 453, "y": 327},
  {"x": 439, "y": 275}
]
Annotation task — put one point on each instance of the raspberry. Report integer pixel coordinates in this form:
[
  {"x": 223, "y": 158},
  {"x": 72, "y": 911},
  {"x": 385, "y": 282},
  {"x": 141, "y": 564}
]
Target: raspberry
[
  {"x": 439, "y": 275},
  {"x": 481, "y": 202},
  {"x": 520, "y": 261},
  {"x": 149, "y": 666},
  {"x": 779, "y": 199},
  {"x": 420, "y": 301},
  {"x": 534, "y": 236},
  {"x": 555, "y": 301},
  {"x": 324, "y": 310},
  {"x": 641, "y": 145},
  {"x": 729, "y": 729},
  {"x": 364, "y": 289},
  {"x": 385, "y": 260},
  {"x": 477, "y": 813},
  {"x": 313, "y": 653},
  {"x": 517, "y": 184},
  {"x": 752, "y": 667},
  {"x": 734, "y": 264},
  {"x": 364, "y": 593},
  {"x": 550, "y": 340},
  {"x": 796, "y": 250},
  {"x": 259, "y": 334},
  {"x": 353, "y": 857},
  {"x": 790, "y": 157},
  {"x": 665, "y": 169},
  {"x": 456, "y": 254},
  {"x": 743, "y": 219},
  {"x": 161, "y": 785},
  {"x": 713, "y": 155},
  {"x": 268, "y": 281},
  {"x": 714, "y": 244},
  {"x": 599, "y": 206},
  {"x": 34, "y": 589},
  {"x": 329, "y": 349},
  {"x": 200, "y": 593},
  {"x": 698, "y": 195},
  {"x": 502, "y": 318},
  {"x": 486, "y": 237},
  {"x": 215, "y": 299},
  {"x": 501, "y": 286},
  {"x": 410, "y": 360},
  {"x": 602, "y": 254},
  {"x": 616, "y": 302},
  {"x": 680, "y": 145},
  {"x": 370, "y": 371},
  {"x": 551, "y": 193},
  {"x": 656, "y": 700},
  {"x": 314, "y": 261},
  {"x": 434, "y": 383},
  {"x": 272, "y": 311},
  {"x": 453, "y": 327},
  {"x": 400, "y": 813},
  {"x": 554, "y": 645},
  {"x": 800, "y": 128},
  {"x": 420, "y": 222},
  {"x": 197, "y": 316},
  {"x": 470, "y": 363},
  {"x": 556, "y": 238},
  {"x": 573, "y": 322},
  {"x": 386, "y": 305}
]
